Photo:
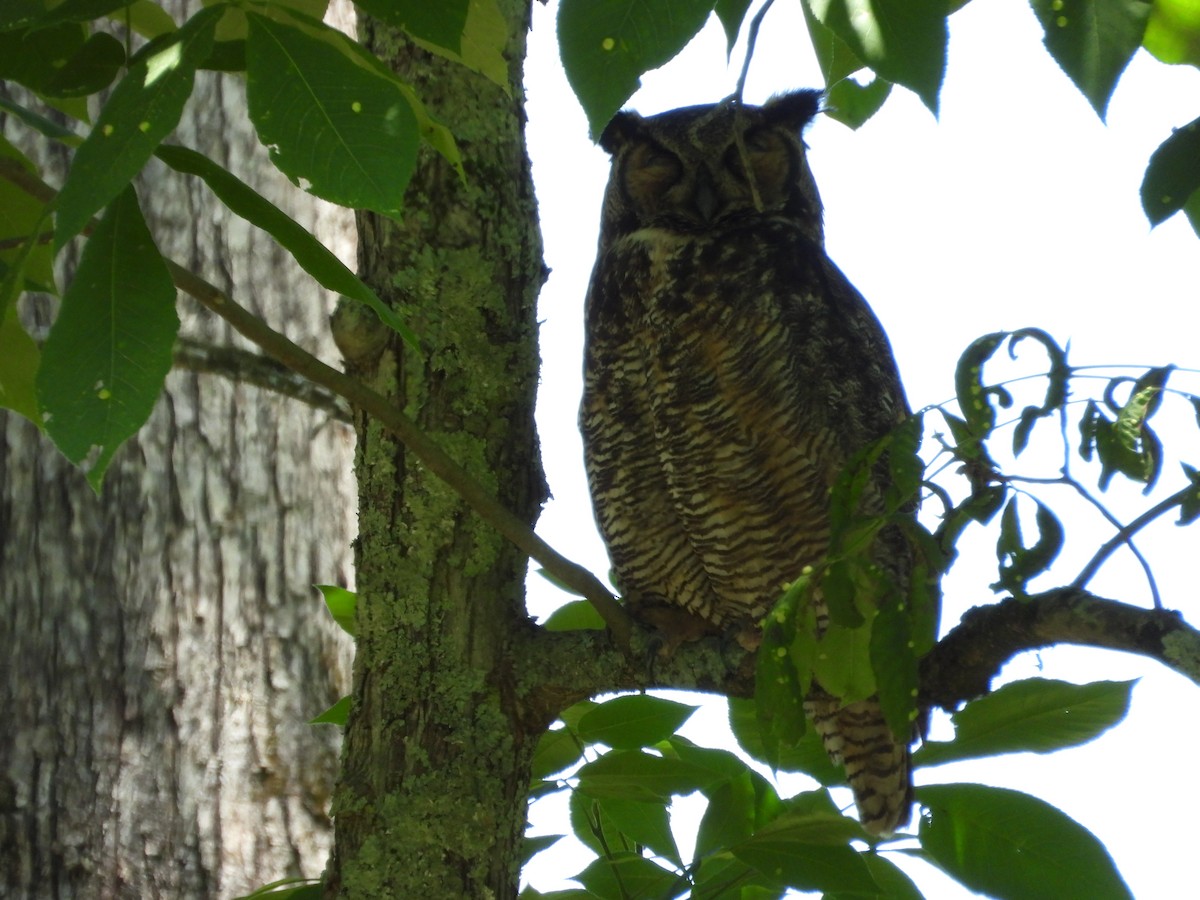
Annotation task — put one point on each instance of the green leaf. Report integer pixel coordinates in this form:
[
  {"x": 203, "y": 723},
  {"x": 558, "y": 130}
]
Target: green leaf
[
  {"x": 288, "y": 889},
  {"x": 313, "y": 256},
  {"x": 555, "y": 751},
  {"x": 731, "y": 14},
  {"x": 779, "y": 686},
  {"x": 893, "y": 883},
  {"x": 1173, "y": 175},
  {"x": 730, "y": 816},
  {"x": 1189, "y": 507},
  {"x": 1007, "y": 844},
  {"x": 903, "y": 41},
  {"x": 645, "y": 824},
  {"x": 345, "y": 132},
  {"x": 440, "y": 23},
  {"x": 783, "y": 856},
  {"x": 337, "y": 714},
  {"x": 630, "y": 875},
  {"x": 972, "y": 393},
  {"x": 484, "y": 39},
  {"x": 637, "y": 720},
  {"x": 578, "y": 615},
  {"x": 1056, "y": 388},
  {"x": 894, "y": 665},
  {"x": 532, "y": 846},
  {"x": 607, "y": 45},
  {"x": 853, "y": 104},
  {"x": 636, "y": 775},
  {"x": 1036, "y": 715},
  {"x": 341, "y": 604},
  {"x": 104, "y": 362},
  {"x": 1173, "y": 32},
  {"x": 18, "y": 370},
  {"x": 834, "y": 56},
  {"x": 1093, "y": 41},
  {"x": 805, "y": 754},
  {"x": 22, "y": 218},
  {"x": 34, "y": 57},
  {"x": 80, "y": 10},
  {"x": 90, "y": 70},
  {"x": 143, "y": 109},
  {"x": 1020, "y": 564}
]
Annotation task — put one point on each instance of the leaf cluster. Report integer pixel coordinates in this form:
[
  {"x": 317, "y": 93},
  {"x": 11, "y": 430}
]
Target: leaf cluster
[
  {"x": 334, "y": 119},
  {"x": 623, "y": 762}
]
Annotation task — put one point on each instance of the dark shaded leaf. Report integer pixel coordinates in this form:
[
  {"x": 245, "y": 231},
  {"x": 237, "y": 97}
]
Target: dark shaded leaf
[
  {"x": 35, "y": 57},
  {"x": 1056, "y": 388},
  {"x": 104, "y": 362},
  {"x": 1093, "y": 41},
  {"x": 1036, "y": 715},
  {"x": 1189, "y": 507},
  {"x": 1007, "y": 844},
  {"x": 1020, "y": 564},
  {"x": 440, "y": 23},
  {"x": 606, "y": 45},
  {"x": 1173, "y": 175},
  {"x": 91, "y": 69},
  {"x": 731, "y": 13}
]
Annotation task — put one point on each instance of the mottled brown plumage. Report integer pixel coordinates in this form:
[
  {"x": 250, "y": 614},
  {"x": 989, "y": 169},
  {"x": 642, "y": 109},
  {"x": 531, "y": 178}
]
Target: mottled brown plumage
[{"x": 731, "y": 370}]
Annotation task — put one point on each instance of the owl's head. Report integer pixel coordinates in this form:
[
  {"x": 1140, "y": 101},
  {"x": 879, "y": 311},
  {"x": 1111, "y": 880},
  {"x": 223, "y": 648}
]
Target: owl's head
[{"x": 704, "y": 168}]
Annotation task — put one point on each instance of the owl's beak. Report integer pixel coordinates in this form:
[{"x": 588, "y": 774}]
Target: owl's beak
[{"x": 704, "y": 197}]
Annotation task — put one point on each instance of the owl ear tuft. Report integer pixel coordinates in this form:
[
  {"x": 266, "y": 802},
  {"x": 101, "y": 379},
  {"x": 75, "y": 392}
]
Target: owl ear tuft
[
  {"x": 624, "y": 126},
  {"x": 793, "y": 110}
]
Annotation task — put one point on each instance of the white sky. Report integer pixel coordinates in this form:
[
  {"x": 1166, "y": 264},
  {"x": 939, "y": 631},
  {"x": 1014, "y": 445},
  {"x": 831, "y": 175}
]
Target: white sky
[{"x": 1017, "y": 208}]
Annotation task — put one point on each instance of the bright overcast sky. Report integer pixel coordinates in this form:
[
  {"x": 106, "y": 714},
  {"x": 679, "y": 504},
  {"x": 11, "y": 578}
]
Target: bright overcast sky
[{"x": 1017, "y": 208}]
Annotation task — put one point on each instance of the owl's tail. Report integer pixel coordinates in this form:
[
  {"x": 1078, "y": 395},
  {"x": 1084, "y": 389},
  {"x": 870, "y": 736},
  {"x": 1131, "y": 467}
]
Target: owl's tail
[{"x": 877, "y": 764}]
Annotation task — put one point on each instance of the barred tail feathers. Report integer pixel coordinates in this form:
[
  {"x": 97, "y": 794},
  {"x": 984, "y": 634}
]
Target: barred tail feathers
[{"x": 857, "y": 737}]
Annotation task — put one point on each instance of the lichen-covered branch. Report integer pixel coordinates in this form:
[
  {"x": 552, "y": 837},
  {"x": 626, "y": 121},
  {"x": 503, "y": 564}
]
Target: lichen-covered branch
[{"x": 964, "y": 662}]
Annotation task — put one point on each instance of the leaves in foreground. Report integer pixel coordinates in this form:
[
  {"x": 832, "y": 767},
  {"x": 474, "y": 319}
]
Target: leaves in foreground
[
  {"x": 1007, "y": 844},
  {"x": 1036, "y": 715},
  {"x": 105, "y": 360}
]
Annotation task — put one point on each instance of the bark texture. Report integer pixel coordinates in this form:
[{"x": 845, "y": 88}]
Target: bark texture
[
  {"x": 437, "y": 754},
  {"x": 161, "y": 646}
]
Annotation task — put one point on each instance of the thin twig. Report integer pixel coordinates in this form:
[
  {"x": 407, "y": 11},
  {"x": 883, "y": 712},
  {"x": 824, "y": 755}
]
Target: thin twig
[{"x": 751, "y": 40}]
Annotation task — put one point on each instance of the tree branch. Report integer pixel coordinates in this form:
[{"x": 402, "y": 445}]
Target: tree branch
[
  {"x": 965, "y": 661},
  {"x": 254, "y": 368},
  {"x": 298, "y": 360}
]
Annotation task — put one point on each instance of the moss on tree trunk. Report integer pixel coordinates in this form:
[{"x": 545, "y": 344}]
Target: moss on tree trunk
[{"x": 438, "y": 747}]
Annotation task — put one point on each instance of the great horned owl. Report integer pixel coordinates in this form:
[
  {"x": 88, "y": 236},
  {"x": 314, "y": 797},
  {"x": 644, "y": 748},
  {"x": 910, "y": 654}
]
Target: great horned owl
[{"x": 730, "y": 372}]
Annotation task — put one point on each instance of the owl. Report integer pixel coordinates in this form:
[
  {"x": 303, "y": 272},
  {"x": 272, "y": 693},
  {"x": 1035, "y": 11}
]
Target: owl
[{"x": 730, "y": 373}]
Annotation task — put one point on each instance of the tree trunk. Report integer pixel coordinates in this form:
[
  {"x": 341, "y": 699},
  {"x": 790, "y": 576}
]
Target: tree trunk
[
  {"x": 161, "y": 645},
  {"x": 436, "y": 763}
]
